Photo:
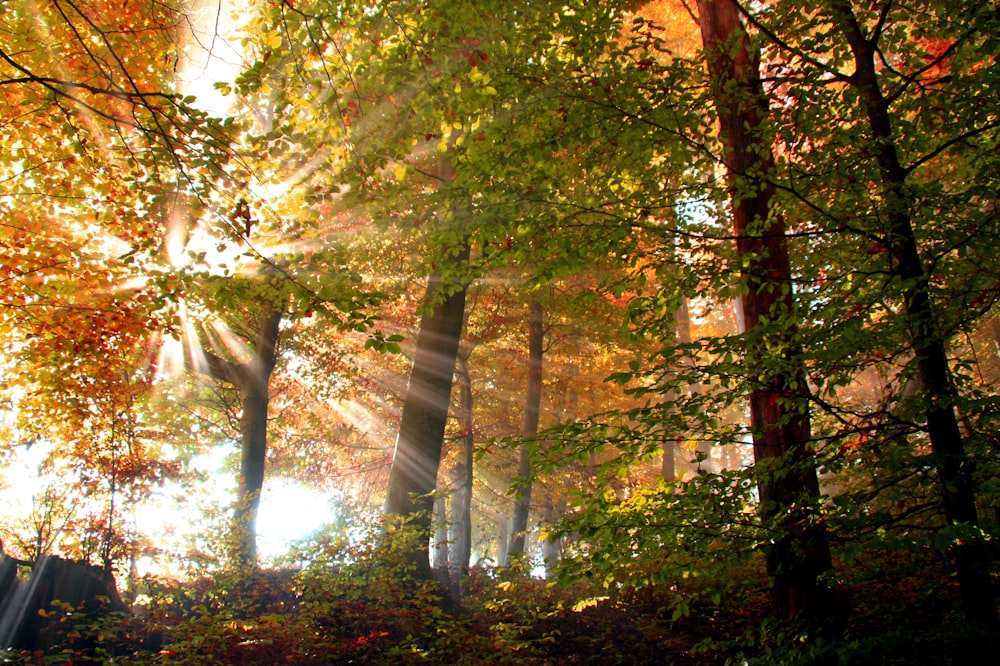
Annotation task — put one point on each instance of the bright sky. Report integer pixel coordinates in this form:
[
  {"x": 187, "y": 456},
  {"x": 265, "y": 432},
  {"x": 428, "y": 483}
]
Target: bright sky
[
  {"x": 289, "y": 511},
  {"x": 214, "y": 54}
]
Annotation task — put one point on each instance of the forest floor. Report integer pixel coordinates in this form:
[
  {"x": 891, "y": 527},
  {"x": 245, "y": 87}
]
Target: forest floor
[{"x": 366, "y": 613}]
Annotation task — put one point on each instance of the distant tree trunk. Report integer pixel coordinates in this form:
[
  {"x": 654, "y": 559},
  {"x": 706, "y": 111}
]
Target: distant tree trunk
[
  {"x": 668, "y": 468},
  {"x": 682, "y": 329},
  {"x": 439, "y": 545},
  {"x": 800, "y": 552},
  {"x": 503, "y": 536},
  {"x": 551, "y": 550},
  {"x": 973, "y": 560},
  {"x": 461, "y": 499},
  {"x": 251, "y": 380},
  {"x": 532, "y": 414},
  {"x": 415, "y": 463},
  {"x": 682, "y": 325}
]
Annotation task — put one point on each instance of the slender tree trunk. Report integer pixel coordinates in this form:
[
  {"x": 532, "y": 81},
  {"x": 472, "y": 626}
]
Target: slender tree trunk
[
  {"x": 682, "y": 324},
  {"x": 253, "y": 385},
  {"x": 668, "y": 468},
  {"x": 668, "y": 464},
  {"x": 503, "y": 536},
  {"x": 251, "y": 380},
  {"x": 461, "y": 499},
  {"x": 552, "y": 550},
  {"x": 413, "y": 475},
  {"x": 779, "y": 417},
  {"x": 532, "y": 414},
  {"x": 973, "y": 561},
  {"x": 439, "y": 545}
]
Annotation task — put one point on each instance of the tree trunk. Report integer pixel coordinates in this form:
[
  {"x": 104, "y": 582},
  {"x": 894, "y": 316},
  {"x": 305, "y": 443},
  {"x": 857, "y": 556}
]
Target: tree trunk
[
  {"x": 682, "y": 324},
  {"x": 251, "y": 380},
  {"x": 668, "y": 468},
  {"x": 255, "y": 378},
  {"x": 461, "y": 499},
  {"x": 551, "y": 550},
  {"x": 973, "y": 561},
  {"x": 413, "y": 475},
  {"x": 439, "y": 545},
  {"x": 532, "y": 414},
  {"x": 779, "y": 417},
  {"x": 668, "y": 463}
]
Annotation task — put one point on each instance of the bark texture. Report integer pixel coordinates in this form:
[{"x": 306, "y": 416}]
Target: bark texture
[
  {"x": 461, "y": 499},
  {"x": 779, "y": 417},
  {"x": 415, "y": 463}
]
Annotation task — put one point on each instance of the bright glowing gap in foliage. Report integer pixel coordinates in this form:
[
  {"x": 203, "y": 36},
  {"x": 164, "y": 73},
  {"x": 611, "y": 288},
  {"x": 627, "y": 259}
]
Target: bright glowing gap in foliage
[
  {"x": 213, "y": 54},
  {"x": 290, "y": 511}
]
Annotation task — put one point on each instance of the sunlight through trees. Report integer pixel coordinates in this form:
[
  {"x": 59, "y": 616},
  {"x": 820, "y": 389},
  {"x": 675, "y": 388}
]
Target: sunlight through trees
[{"x": 480, "y": 332}]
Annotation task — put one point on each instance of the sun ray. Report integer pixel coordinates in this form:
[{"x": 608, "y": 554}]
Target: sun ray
[
  {"x": 230, "y": 341},
  {"x": 169, "y": 357}
]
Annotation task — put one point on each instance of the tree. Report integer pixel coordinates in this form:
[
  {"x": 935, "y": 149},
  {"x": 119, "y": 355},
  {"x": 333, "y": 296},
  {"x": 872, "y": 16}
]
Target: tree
[
  {"x": 83, "y": 392},
  {"x": 785, "y": 466},
  {"x": 417, "y": 457},
  {"x": 436, "y": 129},
  {"x": 532, "y": 414},
  {"x": 251, "y": 379},
  {"x": 463, "y": 476},
  {"x": 96, "y": 148}
]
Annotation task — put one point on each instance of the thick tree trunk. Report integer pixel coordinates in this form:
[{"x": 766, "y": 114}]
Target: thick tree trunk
[
  {"x": 532, "y": 414},
  {"x": 413, "y": 475},
  {"x": 973, "y": 561},
  {"x": 779, "y": 417}
]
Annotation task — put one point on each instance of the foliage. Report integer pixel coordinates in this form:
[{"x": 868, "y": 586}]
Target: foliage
[
  {"x": 349, "y": 595},
  {"x": 584, "y": 166},
  {"x": 356, "y": 600}
]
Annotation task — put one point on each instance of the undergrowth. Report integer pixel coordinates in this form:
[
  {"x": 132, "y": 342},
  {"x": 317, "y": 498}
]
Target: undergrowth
[{"x": 341, "y": 601}]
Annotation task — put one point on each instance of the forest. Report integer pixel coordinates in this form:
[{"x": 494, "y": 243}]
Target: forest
[{"x": 481, "y": 332}]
